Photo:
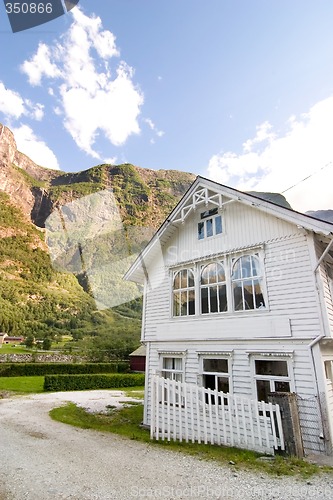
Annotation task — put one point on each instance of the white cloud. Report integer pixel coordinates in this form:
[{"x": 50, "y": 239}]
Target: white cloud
[
  {"x": 93, "y": 99},
  {"x": 13, "y": 106},
  {"x": 153, "y": 127},
  {"x": 110, "y": 161},
  {"x": 40, "y": 65},
  {"x": 11, "y": 103},
  {"x": 36, "y": 149},
  {"x": 272, "y": 162}
]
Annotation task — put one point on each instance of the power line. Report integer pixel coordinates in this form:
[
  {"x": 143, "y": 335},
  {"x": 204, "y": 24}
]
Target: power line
[{"x": 307, "y": 177}]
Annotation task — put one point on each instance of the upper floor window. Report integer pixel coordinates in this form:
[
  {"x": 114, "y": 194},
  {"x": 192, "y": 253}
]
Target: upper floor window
[
  {"x": 213, "y": 288},
  {"x": 247, "y": 283},
  {"x": 210, "y": 224},
  {"x": 183, "y": 293}
]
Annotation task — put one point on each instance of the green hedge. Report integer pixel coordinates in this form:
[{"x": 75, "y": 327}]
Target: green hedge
[
  {"x": 93, "y": 381},
  {"x": 38, "y": 369}
]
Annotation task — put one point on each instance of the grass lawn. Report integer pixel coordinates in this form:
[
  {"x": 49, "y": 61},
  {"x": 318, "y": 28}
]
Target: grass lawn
[
  {"x": 22, "y": 384},
  {"x": 126, "y": 422},
  {"x": 10, "y": 349}
]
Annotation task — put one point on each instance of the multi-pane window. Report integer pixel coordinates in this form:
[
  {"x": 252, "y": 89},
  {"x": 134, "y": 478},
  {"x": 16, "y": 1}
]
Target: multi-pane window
[
  {"x": 183, "y": 293},
  {"x": 210, "y": 224},
  {"x": 213, "y": 288},
  {"x": 247, "y": 283},
  {"x": 234, "y": 284},
  {"x": 172, "y": 368},
  {"x": 271, "y": 376},
  {"x": 215, "y": 376}
]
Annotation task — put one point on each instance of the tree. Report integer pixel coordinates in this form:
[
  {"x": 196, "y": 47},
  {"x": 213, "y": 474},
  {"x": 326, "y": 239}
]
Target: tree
[
  {"x": 29, "y": 341},
  {"x": 47, "y": 344}
]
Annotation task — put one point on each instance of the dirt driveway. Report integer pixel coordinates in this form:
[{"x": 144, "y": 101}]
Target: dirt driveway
[{"x": 42, "y": 459}]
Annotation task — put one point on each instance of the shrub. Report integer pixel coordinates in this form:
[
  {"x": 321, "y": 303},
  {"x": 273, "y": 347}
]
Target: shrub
[
  {"x": 35, "y": 369},
  {"x": 92, "y": 381}
]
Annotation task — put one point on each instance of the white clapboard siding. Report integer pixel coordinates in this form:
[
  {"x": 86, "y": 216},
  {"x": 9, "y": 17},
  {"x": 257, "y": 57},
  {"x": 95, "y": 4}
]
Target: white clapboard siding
[
  {"x": 242, "y": 226},
  {"x": 182, "y": 411},
  {"x": 290, "y": 289}
]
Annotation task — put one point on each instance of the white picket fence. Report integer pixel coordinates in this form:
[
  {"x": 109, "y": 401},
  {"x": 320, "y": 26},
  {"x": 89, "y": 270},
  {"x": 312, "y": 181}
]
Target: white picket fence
[{"x": 182, "y": 411}]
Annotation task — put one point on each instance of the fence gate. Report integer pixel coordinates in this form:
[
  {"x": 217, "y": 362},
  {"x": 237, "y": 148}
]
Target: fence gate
[{"x": 187, "y": 412}]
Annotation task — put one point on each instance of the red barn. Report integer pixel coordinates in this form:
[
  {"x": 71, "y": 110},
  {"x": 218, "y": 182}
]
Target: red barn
[{"x": 138, "y": 359}]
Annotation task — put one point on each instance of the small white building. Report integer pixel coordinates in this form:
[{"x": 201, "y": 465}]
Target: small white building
[{"x": 238, "y": 297}]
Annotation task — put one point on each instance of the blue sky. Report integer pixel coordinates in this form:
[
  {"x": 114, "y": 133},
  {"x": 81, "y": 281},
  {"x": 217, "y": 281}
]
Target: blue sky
[{"x": 235, "y": 90}]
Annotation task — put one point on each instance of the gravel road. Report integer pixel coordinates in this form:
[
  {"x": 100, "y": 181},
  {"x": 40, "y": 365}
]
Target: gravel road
[{"x": 42, "y": 459}]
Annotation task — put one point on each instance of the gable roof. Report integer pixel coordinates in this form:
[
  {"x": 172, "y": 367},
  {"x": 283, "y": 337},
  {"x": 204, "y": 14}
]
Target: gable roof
[{"x": 204, "y": 191}]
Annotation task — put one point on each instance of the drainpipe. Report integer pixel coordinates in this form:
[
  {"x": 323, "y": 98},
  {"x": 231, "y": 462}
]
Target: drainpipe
[{"x": 310, "y": 346}]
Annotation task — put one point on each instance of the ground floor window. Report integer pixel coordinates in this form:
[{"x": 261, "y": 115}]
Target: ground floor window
[
  {"x": 216, "y": 376},
  {"x": 271, "y": 376},
  {"x": 172, "y": 368}
]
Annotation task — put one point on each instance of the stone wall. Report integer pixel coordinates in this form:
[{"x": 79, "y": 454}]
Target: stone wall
[{"x": 41, "y": 358}]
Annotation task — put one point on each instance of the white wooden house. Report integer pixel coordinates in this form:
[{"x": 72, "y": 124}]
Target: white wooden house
[{"x": 238, "y": 297}]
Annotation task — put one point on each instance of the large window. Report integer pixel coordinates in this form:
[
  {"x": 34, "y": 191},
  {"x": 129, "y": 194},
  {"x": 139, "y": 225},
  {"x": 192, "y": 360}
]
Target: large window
[
  {"x": 210, "y": 224},
  {"x": 220, "y": 286},
  {"x": 247, "y": 283},
  {"x": 213, "y": 288},
  {"x": 183, "y": 293},
  {"x": 271, "y": 376}
]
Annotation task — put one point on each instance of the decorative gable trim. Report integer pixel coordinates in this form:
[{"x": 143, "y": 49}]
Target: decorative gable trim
[{"x": 202, "y": 197}]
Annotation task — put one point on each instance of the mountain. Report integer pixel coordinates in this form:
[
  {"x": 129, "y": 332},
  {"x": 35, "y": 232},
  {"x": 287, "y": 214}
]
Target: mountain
[
  {"x": 35, "y": 298},
  {"x": 276, "y": 198},
  {"x": 326, "y": 215}
]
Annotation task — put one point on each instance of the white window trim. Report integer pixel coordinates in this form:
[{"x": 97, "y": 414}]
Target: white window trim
[
  {"x": 227, "y": 260},
  {"x": 212, "y": 217},
  {"x": 172, "y": 354},
  {"x": 173, "y": 275},
  {"x": 216, "y": 355},
  {"x": 262, "y": 280},
  {"x": 210, "y": 285},
  {"x": 271, "y": 356}
]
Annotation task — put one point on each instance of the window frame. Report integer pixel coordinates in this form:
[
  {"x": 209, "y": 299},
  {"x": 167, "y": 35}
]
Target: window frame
[
  {"x": 181, "y": 290},
  {"x": 204, "y": 219},
  {"x": 272, "y": 378},
  {"x": 172, "y": 371},
  {"x": 217, "y": 284},
  {"x": 260, "y": 278},
  {"x": 227, "y": 261},
  {"x": 226, "y": 356}
]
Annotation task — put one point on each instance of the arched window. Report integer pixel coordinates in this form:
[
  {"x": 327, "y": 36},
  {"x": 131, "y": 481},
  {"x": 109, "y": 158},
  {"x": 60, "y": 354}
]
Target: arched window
[
  {"x": 213, "y": 288},
  {"x": 183, "y": 293},
  {"x": 247, "y": 283}
]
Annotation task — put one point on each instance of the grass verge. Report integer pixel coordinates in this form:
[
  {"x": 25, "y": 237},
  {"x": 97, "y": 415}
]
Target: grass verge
[
  {"x": 22, "y": 384},
  {"x": 126, "y": 422}
]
